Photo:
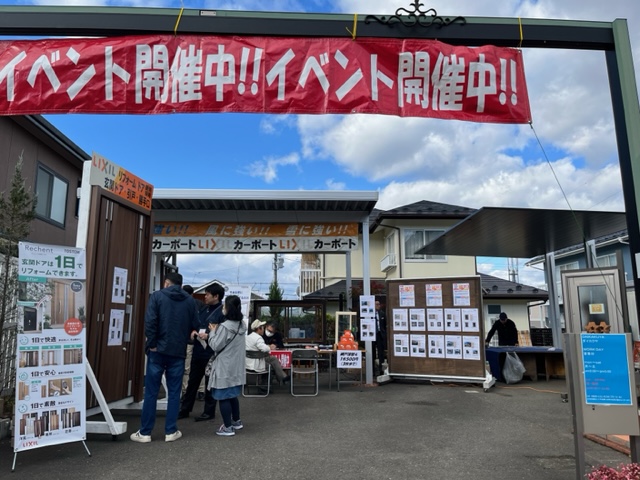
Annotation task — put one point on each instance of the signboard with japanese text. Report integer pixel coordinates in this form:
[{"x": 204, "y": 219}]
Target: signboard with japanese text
[
  {"x": 244, "y": 293},
  {"x": 152, "y": 74},
  {"x": 254, "y": 238},
  {"x": 606, "y": 371},
  {"x": 50, "y": 374},
  {"x": 349, "y": 359},
  {"x": 120, "y": 182}
]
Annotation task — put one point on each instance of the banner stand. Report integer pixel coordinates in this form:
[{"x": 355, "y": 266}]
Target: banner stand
[
  {"x": 109, "y": 425},
  {"x": 15, "y": 455}
]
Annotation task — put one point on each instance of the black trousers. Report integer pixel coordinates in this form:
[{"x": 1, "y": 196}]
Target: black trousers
[
  {"x": 379, "y": 347},
  {"x": 198, "y": 366}
]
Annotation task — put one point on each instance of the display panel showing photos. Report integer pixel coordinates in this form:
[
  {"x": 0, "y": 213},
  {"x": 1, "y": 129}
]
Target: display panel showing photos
[
  {"x": 50, "y": 406},
  {"x": 436, "y": 327}
]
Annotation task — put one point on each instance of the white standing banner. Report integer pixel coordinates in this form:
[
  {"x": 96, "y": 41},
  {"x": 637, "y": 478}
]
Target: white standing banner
[
  {"x": 244, "y": 292},
  {"x": 50, "y": 398}
]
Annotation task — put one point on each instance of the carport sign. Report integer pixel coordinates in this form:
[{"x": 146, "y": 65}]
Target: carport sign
[{"x": 254, "y": 238}]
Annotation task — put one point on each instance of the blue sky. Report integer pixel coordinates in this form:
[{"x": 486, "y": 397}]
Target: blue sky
[{"x": 405, "y": 159}]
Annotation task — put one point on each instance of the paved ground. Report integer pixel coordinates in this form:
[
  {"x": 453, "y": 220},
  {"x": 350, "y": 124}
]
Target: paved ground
[{"x": 392, "y": 431}]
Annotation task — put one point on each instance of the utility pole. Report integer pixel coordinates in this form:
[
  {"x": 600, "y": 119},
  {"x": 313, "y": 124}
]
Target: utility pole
[
  {"x": 513, "y": 270},
  {"x": 278, "y": 263}
]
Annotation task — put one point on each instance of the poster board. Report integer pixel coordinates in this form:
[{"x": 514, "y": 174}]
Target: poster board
[
  {"x": 50, "y": 399},
  {"x": 435, "y": 328}
]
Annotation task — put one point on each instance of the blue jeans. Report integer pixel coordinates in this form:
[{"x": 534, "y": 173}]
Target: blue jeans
[{"x": 173, "y": 368}]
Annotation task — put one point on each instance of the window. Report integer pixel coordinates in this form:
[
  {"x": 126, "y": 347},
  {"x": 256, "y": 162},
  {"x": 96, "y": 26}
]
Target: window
[
  {"x": 494, "y": 309},
  {"x": 51, "y": 192},
  {"x": 607, "y": 260},
  {"x": 562, "y": 268},
  {"x": 390, "y": 244},
  {"x": 414, "y": 240}
]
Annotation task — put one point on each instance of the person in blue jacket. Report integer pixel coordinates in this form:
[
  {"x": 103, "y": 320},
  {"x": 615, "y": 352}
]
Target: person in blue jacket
[
  {"x": 210, "y": 314},
  {"x": 168, "y": 322}
]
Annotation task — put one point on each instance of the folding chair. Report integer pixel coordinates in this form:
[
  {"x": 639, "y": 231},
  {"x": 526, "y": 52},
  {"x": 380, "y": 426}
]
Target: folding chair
[
  {"x": 304, "y": 362},
  {"x": 257, "y": 375}
]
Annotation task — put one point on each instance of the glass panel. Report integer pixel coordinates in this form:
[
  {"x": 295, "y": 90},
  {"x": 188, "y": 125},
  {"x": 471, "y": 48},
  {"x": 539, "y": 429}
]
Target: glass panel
[
  {"x": 607, "y": 261},
  {"x": 594, "y": 309},
  {"x": 58, "y": 200},
  {"x": 43, "y": 186},
  {"x": 494, "y": 309},
  {"x": 390, "y": 244},
  {"x": 430, "y": 236},
  {"x": 413, "y": 241}
]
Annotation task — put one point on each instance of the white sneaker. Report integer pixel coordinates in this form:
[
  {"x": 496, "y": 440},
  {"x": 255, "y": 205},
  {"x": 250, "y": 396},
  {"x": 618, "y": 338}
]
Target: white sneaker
[
  {"x": 140, "y": 438},
  {"x": 172, "y": 437}
]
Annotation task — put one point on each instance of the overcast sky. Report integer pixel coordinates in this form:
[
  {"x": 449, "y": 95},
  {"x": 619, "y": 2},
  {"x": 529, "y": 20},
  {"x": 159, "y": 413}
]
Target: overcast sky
[{"x": 405, "y": 159}]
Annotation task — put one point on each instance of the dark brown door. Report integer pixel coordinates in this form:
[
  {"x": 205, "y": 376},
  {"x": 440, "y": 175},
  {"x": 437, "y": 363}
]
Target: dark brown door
[{"x": 118, "y": 257}]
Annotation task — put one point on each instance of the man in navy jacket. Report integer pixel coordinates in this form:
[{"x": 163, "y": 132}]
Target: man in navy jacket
[
  {"x": 169, "y": 320},
  {"x": 211, "y": 313}
]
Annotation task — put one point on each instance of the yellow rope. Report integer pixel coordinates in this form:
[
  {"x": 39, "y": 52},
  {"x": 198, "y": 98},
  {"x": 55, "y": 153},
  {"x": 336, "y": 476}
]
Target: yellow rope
[
  {"x": 521, "y": 35},
  {"x": 355, "y": 27},
  {"x": 175, "y": 29}
]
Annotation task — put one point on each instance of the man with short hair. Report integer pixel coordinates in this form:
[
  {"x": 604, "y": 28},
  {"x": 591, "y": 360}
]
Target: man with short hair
[
  {"x": 211, "y": 313},
  {"x": 187, "y": 363},
  {"x": 380, "y": 345},
  {"x": 272, "y": 336},
  {"x": 169, "y": 320},
  {"x": 507, "y": 331}
]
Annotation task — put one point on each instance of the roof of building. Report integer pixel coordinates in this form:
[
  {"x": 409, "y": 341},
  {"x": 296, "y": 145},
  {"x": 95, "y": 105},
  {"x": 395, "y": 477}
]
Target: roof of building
[
  {"x": 422, "y": 210},
  {"x": 620, "y": 236},
  {"x": 44, "y": 131},
  {"x": 492, "y": 288},
  {"x": 495, "y": 287}
]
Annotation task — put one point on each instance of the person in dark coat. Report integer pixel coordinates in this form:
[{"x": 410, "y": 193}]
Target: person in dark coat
[
  {"x": 169, "y": 320},
  {"x": 380, "y": 345},
  {"x": 273, "y": 337},
  {"x": 210, "y": 314},
  {"x": 506, "y": 329}
]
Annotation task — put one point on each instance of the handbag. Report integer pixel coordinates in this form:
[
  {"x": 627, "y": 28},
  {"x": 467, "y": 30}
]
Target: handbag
[
  {"x": 208, "y": 370},
  {"x": 513, "y": 369}
]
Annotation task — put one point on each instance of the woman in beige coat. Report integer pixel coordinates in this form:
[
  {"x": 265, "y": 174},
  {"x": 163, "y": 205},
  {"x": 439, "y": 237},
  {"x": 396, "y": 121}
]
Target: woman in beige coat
[{"x": 228, "y": 374}]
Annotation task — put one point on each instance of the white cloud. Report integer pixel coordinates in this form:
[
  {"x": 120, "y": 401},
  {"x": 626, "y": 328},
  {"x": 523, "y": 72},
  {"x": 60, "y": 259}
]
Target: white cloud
[
  {"x": 268, "y": 168},
  {"x": 479, "y": 164},
  {"x": 275, "y": 124},
  {"x": 333, "y": 185}
]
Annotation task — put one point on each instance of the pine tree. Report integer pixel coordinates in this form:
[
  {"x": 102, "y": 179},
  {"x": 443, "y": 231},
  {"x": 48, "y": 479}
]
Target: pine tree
[
  {"x": 17, "y": 210},
  {"x": 275, "y": 295}
]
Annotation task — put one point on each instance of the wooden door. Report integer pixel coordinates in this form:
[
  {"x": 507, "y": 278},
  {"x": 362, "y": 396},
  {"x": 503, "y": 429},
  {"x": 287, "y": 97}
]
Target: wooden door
[{"x": 118, "y": 259}]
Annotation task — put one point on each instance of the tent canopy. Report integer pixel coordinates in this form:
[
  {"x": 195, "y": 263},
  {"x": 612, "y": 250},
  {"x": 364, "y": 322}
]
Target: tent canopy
[{"x": 523, "y": 232}]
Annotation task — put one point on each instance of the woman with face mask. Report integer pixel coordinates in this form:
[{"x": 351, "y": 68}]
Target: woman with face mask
[{"x": 273, "y": 337}]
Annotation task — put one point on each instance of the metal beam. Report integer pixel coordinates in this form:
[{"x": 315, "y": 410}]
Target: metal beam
[{"x": 111, "y": 21}]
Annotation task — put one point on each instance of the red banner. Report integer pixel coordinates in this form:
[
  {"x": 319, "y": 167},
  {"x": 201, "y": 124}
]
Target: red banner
[{"x": 180, "y": 74}]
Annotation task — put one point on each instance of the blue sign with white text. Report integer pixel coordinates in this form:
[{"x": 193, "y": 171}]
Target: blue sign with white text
[{"x": 605, "y": 359}]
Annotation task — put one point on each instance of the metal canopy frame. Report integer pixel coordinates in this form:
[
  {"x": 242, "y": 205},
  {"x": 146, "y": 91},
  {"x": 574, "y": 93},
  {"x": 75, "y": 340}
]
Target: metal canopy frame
[
  {"x": 523, "y": 232},
  {"x": 262, "y": 206},
  {"x": 610, "y": 37}
]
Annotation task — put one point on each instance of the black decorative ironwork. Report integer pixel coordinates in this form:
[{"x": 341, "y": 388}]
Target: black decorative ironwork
[{"x": 424, "y": 18}]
